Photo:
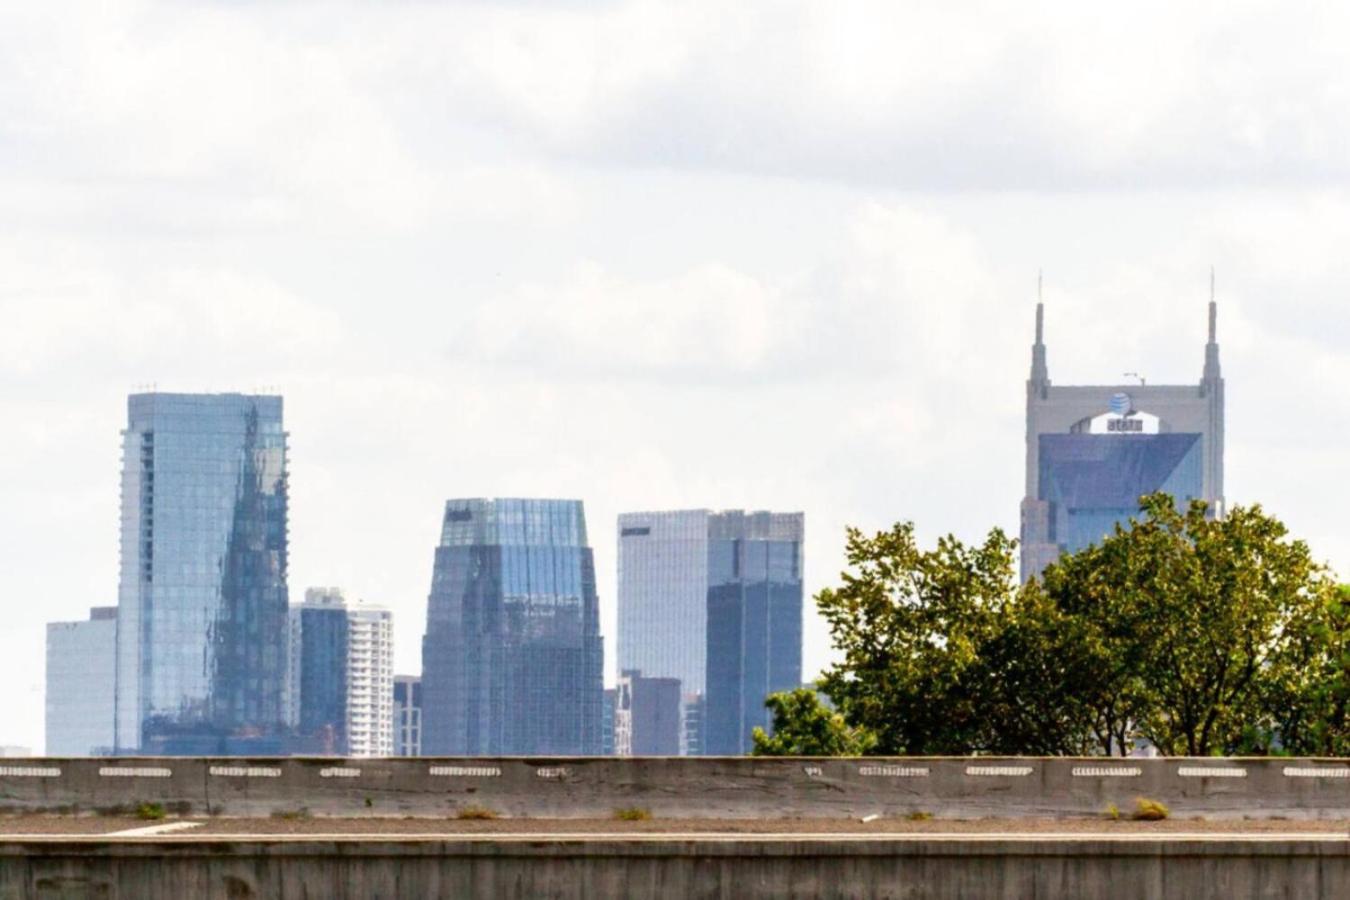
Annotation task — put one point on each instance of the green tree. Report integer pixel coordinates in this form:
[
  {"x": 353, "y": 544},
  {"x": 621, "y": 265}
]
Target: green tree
[
  {"x": 1220, "y": 608},
  {"x": 1308, "y": 702},
  {"x": 803, "y": 726},
  {"x": 943, "y": 654},
  {"x": 1200, "y": 635}
]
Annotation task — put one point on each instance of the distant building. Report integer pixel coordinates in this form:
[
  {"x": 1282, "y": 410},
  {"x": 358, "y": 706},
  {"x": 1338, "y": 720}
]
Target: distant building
[
  {"x": 323, "y": 672},
  {"x": 610, "y": 701},
  {"x": 81, "y": 664},
  {"x": 1093, "y": 451},
  {"x": 714, "y": 599},
  {"x": 407, "y": 715},
  {"x": 370, "y": 681},
  {"x": 691, "y": 725},
  {"x": 647, "y": 718},
  {"x": 201, "y": 642},
  {"x": 512, "y": 658},
  {"x": 290, "y": 692},
  {"x": 663, "y": 595},
  {"x": 344, "y": 701}
]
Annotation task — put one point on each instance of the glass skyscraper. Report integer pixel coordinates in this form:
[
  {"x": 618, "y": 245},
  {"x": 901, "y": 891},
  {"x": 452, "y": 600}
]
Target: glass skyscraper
[
  {"x": 322, "y": 705},
  {"x": 202, "y": 622},
  {"x": 512, "y": 658},
  {"x": 1094, "y": 450},
  {"x": 715, "y": 600}
]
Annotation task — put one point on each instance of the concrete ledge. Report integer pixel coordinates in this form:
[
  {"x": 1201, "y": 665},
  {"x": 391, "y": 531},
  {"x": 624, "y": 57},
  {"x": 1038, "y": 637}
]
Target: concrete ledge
[
  {"x": 826, "y": 867},
  {"x": 738, "y": 787}
]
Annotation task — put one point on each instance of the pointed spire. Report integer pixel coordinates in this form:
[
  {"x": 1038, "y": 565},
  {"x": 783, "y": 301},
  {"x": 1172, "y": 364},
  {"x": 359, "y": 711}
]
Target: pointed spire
[
  {"x": 1040, "y": 374},
  {"x": 1212, "y": 347}
]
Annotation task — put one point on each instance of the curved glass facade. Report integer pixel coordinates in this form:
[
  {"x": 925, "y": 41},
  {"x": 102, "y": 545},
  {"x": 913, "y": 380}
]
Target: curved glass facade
[{"x": 512, "y": 658}]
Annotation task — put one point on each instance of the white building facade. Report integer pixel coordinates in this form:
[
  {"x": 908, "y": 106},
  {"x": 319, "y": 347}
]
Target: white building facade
[{"x": 81, "y": 672}]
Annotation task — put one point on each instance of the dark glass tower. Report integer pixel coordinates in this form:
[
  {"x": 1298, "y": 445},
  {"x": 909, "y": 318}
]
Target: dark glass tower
[
  {"x": 201, "y": 637},
  {"x": 754, "y": 623},
  {"x": 512, "y": 658},
  {"x": 324, "y": 639}
]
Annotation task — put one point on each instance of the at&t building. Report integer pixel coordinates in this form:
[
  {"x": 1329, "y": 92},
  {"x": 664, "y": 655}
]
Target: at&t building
[{"x": 1094, "y": 450}]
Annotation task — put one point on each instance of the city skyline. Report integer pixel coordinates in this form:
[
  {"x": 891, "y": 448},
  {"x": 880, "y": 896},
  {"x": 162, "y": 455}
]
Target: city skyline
[{"x": 596, "y": 250}]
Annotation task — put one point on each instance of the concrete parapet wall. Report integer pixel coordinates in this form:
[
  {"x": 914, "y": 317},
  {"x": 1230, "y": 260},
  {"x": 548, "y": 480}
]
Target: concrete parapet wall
[
  {"x": 740, "y": 787},
  {"x": 919, "y": 869}
]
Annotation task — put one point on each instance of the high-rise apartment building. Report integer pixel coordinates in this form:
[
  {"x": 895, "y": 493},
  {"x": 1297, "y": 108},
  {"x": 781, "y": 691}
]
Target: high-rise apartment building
[
  {"x": 81, "y": 659},
  {"x": 715, "y": 600},
  {"x": 1094, "y": 450},
  {"x": 370, "y": 681},
  {"x": 344, "y": 679},
  {"x": 407, "y": 715},
  {"x": 201, "y": 636},
  {"x": 512, "y": 658}
]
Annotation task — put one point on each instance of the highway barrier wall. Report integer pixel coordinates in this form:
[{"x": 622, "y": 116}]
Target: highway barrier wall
[
  {"x": 917, "y": 868},
  {"x": 689, "y": 787}
]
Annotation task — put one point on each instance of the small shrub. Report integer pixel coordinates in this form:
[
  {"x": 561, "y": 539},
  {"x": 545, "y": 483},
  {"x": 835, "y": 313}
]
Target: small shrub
[
  {"x": 1146, "y": 810},
  {"x": 919, "y": 815},
  {"x": 291, "y": 815},
  {"x": 1113, "y": 812},
  {"x": 475, "y": 812},
  {"x": 150, "y": 812},
  {"x": 369, "y": 803},
  {"x": 632, "y": 814}
]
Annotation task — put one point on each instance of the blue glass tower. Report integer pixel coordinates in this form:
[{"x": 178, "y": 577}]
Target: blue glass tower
[
  {"x": 512, "y": 658},
  {"x": 713, "y": 599},
  {"x": 201, "y": 637},
  {"x": 324, "y": 639},
  {"x": 754, "y": 630}
]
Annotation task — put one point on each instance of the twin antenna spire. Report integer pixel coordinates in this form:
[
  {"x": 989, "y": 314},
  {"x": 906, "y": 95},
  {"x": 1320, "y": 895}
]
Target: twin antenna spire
[{"x": 1040, "y": 373}]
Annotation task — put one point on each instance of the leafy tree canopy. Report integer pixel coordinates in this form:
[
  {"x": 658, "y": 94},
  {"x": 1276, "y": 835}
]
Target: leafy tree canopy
[
  {"x": 803, "y": 726},
  {"x": 1196, "y": 634}
]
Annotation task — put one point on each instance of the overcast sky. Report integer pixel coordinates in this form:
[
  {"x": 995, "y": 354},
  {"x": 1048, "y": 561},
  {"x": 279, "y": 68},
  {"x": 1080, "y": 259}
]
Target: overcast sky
[{"x": 653, "y": 255}]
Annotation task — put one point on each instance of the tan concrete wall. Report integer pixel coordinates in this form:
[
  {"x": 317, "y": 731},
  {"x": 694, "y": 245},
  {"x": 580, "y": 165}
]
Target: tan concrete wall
[
  {"x": 918, "y": 869},
  {"x": 681, "y": 787}
]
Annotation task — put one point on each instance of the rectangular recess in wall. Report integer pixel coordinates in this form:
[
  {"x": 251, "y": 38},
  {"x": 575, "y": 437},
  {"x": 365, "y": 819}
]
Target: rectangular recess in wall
[
  {"x": 466, "y": 771},
  {"x": 28, "y": 772},
  {"x": 1211, "y": 772},
  {"x": 245, "y": 772},
  {"x": 893, "y": 771},
  {"x": 1317, "y": 772},
  {"x": 1106, "y": 772},
  {"x": 1005, "y": 771},
  {"x": 134, "y": 772}
]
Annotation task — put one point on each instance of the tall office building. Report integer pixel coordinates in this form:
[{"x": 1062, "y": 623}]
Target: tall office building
[
  {"x": 322, "y": 666},
  {"x": 715, "y": 600},
  {"x": 201, "y": 637},
  {"x": 407, "y": 715},
  {"x": 344, "y": 681},
  {"x": 512, "y": 658},
  {"x": 647, "y": 719},
  {"x": 1093, "y": 451},
  {"x": 81, "y": 659},
  {"x": 663, "y": 595}
]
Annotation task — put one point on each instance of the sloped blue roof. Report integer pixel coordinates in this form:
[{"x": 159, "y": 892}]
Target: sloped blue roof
[{"x": 1100, "y": 471}]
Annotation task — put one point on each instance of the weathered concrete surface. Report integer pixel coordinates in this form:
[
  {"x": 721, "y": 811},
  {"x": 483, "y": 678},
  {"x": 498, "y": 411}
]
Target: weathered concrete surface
[
  {"x": 915, "y": 868},
  {"x": 681, "y": 787}
]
